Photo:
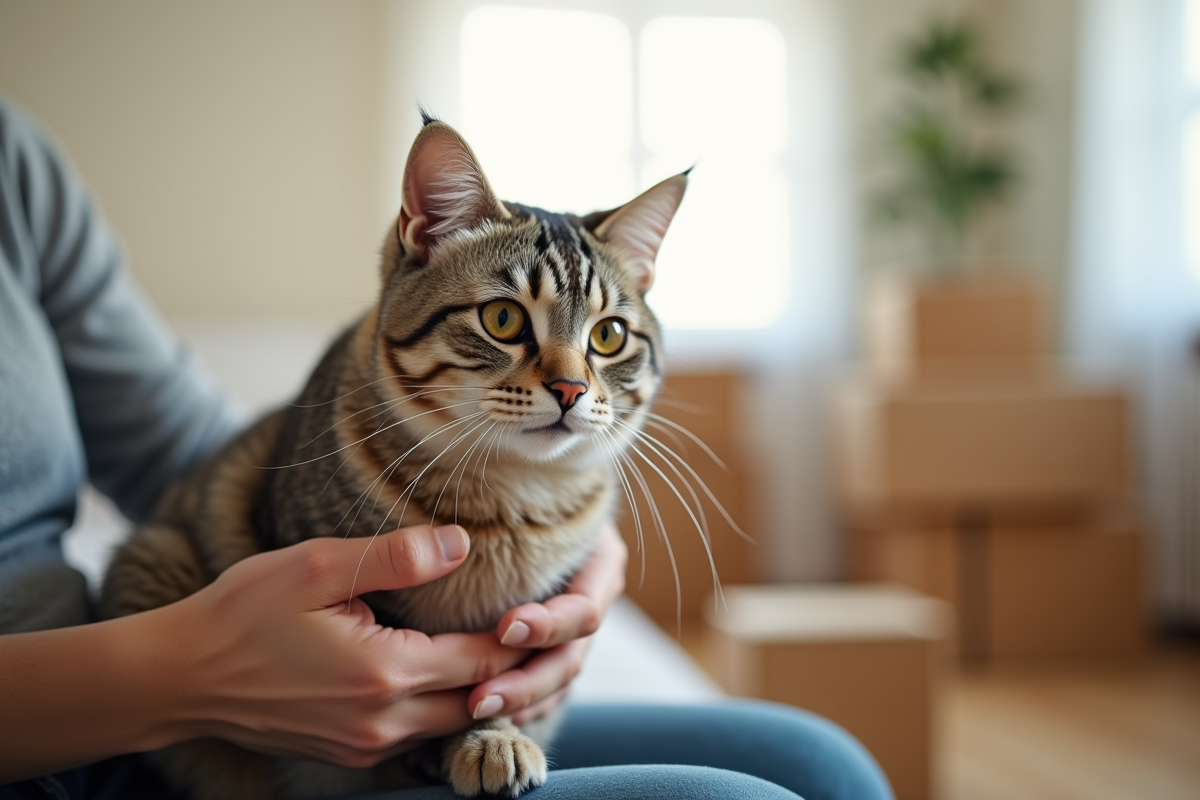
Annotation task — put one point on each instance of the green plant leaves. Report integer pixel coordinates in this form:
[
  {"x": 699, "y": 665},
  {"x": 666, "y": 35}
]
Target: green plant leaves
[{"x": 943, "y": 176}]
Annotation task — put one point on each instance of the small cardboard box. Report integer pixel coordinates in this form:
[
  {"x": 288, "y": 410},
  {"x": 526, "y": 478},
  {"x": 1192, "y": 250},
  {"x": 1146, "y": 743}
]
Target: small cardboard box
[
  {"x": 919, "y": 328},
  {"x": 706, "y": 404},
  {"x": 1020, "y": 592},
  {"x": 869, "y": 657},
  {"x": 980, "y": 445}
]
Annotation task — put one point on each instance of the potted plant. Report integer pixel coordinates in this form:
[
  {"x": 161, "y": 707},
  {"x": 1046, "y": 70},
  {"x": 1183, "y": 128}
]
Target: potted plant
[{"x": 948, "y": 166}]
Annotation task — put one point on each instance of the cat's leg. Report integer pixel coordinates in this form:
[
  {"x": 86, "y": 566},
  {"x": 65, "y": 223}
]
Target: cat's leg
[
  {"x": 156, "y": 567},
  {"x": 494, "y": 757}
]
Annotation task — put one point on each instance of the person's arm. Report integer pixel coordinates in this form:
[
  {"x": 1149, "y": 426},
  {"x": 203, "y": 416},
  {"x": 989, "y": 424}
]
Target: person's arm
[
  {"x": 144, "y": 408},
  {"x": 270, "y": 656}
]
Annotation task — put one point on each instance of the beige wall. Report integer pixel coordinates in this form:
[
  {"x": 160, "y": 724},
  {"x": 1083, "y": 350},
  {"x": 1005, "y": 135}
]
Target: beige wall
[{"x": 234, "y": 145}]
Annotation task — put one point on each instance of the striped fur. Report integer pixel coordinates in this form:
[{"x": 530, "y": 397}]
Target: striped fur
[{"x": 415, "y": 415}]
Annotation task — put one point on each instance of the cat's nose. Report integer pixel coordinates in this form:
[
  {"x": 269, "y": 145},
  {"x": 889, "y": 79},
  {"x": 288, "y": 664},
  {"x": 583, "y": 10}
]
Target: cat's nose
[{"x": 566, "y": 391}]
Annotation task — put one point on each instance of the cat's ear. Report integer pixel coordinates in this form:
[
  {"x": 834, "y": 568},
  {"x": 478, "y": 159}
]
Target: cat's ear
[
  {"x": 636, "y": 229},
  {"x": 445, "y": 191}
]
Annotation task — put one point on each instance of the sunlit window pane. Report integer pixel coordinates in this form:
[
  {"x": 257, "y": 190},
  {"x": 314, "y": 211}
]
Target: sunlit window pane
[
  {"x": 711, "y": 84},
  {"x": 713, "y": 93},
  {"x": 724, "y": 263},
  {"x": 547, "y": 104}
]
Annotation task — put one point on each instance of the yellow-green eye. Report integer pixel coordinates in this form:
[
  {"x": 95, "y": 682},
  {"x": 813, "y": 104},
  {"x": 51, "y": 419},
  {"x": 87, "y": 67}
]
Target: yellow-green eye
[
  {"x": 608, "y": 336},
  {"x": 504, "y": 320}
]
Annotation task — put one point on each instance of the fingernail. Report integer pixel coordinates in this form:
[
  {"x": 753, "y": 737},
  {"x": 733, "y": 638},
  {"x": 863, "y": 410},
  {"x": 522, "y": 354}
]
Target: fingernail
[
  {"x": 489, "y": 706},
  {"x": 516, "y": 634},
  {"x": 453, "y": 541}
]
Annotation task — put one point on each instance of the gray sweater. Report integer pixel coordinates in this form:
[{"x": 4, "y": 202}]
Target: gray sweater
[{"x": 93, "y": 387}]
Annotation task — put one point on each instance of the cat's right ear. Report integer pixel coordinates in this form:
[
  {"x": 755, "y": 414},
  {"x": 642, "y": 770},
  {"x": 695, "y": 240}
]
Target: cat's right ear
[{"x": 445, "y": 191}]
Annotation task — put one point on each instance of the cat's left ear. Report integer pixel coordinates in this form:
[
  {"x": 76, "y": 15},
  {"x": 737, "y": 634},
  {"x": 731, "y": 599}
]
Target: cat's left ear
[
  {"x": 636, "y": 229},
  {"x": 445, "y": 191}
]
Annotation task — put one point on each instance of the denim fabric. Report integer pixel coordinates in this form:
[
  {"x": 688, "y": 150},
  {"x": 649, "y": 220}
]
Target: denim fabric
[{"x": 743, "y": 750}]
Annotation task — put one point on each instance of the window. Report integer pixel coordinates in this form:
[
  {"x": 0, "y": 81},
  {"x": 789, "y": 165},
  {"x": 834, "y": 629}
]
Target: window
[
  {"x": 633, "y": 105},
  {"x": 1191, "y": 136}
]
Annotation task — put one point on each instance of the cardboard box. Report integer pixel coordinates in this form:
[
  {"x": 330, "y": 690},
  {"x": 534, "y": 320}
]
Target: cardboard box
[
  {"x": 1021, "y": 592},
  {"x": 707, "y": 405},
  {"x": 980, "y": 446},
  {"x": 917, "y": 328},
  {"x": 870, "y": 658}
]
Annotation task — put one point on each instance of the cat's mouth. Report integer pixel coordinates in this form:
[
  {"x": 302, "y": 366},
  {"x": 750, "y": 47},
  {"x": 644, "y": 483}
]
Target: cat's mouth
[{"x": 557, "y": 427}]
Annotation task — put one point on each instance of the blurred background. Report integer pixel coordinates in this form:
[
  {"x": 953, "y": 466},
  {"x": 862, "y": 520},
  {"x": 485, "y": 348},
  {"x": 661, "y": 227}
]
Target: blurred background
[{"x": 932, "y": 300}]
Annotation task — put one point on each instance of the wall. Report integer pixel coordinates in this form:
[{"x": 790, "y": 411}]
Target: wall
[{"x": 235, "y": 146}]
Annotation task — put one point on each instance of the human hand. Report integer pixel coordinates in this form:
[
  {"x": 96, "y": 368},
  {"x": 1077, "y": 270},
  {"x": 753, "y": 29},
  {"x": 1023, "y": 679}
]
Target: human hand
[
  {"x": 560, "y": 627},
  {"x": 280, "y": 662}
]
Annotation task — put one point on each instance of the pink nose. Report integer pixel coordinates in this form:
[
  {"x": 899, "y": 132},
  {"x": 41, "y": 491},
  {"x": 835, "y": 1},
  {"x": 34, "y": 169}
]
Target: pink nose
[{"x": 567, "y": 392}]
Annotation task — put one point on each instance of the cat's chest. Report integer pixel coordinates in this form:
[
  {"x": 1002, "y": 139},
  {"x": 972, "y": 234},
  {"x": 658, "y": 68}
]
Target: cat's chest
[{"x": 504, "y": 569}]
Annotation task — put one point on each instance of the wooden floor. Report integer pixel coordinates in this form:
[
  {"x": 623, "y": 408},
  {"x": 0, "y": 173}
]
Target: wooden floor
[
  {"x": 1070, "y": 732},
  {"x": 1076, "y": 733}
]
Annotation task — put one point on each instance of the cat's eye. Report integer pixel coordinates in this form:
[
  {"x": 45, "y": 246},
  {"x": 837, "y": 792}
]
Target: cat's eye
[
  {"x": 608, "y": 336},
  {"x": 504, "y": 320}
]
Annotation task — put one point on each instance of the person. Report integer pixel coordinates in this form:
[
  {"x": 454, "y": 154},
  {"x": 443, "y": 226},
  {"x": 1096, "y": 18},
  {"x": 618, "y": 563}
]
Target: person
[{"x": 94, "y": 388}]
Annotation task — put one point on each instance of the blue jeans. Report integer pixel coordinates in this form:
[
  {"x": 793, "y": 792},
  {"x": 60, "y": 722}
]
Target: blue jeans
[{"x": 743, "y": 750}]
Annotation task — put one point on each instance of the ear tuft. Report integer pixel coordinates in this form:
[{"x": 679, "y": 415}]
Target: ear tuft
[
  {"x": 445, "y": 190},
  {"x": 636, "y": 229}
]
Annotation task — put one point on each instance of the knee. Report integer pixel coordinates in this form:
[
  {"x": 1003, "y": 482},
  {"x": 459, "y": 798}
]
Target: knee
[
  {"x": 829, "y": 762},
  {"x": 658, "y": 782}
]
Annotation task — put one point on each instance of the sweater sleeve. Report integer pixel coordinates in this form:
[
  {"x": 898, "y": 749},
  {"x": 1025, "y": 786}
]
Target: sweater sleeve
[{"x": 145, "y": 409}]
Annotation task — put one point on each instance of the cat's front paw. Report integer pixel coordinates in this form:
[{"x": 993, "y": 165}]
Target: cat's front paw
[{"x": 504, "y": 762}]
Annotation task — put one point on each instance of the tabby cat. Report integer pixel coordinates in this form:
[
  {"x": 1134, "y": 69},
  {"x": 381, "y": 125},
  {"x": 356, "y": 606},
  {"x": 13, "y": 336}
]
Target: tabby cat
[{"x": 503, "y": 335}]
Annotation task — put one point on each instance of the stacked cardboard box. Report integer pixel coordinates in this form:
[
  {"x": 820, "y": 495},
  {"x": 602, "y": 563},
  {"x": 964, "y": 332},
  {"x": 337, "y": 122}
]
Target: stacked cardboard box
[
  {"x": 970, "y": 470},
  {"x": 869, "y": 657}
]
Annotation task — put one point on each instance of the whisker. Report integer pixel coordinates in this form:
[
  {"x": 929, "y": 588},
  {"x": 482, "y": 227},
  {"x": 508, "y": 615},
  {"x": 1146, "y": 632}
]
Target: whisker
[
  {"x": 662, "y": 533},
  {"x": 437, "y": 503},
  {"x": 650, "y": 442},
  {"x": 609, "y": 444},
  {"x": 682, "y": 405},
  {"x": 341, "y": 397},
  {"x": 375, "y": 433},
  {"x": 676, "y": 426},
  {"x": 409, "y": 490},
  {"x": 506, "y": 428},
  {"x": 388, "y": 403},
  {"x": 720, "y": 597},
  {"x": 386, "y": 473},
  {"x": 642, "y": 435},
  {"x": 458, "y": 486}
]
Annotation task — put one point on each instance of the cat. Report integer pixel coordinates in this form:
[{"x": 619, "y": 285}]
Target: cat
[{"x": 503, "y": 372}]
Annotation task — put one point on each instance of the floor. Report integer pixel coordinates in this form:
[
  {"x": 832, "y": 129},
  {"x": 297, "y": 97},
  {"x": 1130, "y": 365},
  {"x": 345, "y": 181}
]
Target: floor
[
  {"x": 1126, "y": 731},
  {"x": 1077, "y": 733}
]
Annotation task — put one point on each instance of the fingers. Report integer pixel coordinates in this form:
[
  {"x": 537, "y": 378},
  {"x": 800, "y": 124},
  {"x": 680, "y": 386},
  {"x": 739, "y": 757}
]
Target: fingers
[
  {"x": 336, "y": 569},
  {"x": 546, "y": 674},
  {"x": 372, "y": 739},
  {"x": 577, "y": 612},
  {"x": 540, "y": 709},
  {"x": 559, "y": 620},
  {"x": 449, "y": 660}
]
